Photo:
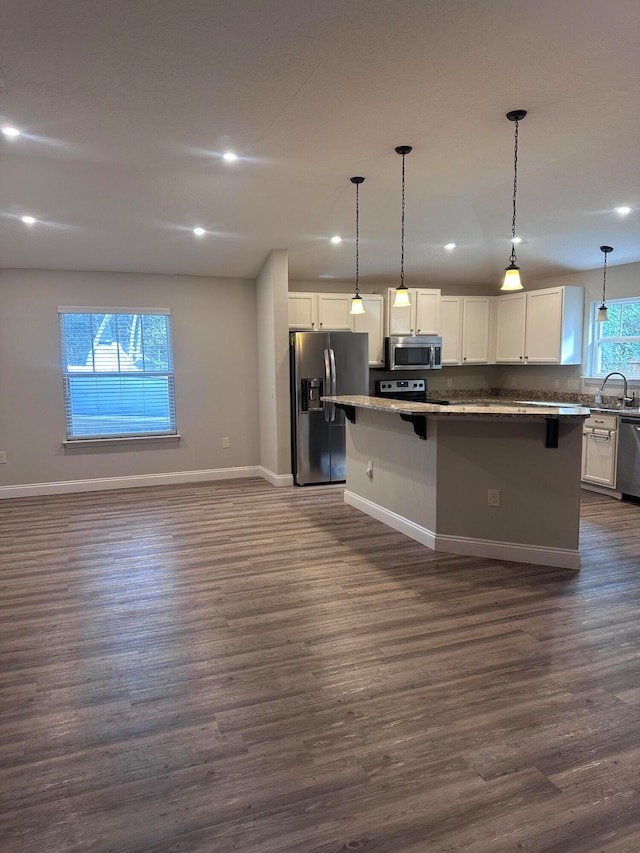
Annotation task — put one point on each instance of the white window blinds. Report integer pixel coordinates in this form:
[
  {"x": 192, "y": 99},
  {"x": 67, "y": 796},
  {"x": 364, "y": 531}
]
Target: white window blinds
[{"x": 117, "y": 369}]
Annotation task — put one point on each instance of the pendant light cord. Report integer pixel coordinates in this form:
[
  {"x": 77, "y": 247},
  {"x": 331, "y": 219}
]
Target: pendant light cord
[
  {"x": 512, "y": 257},
  {"x": 358, "y": 238},
  {"x": 357, "y": 181},
  {"x": 606, "y": 250},
  {"x": 402, "y": 237}
]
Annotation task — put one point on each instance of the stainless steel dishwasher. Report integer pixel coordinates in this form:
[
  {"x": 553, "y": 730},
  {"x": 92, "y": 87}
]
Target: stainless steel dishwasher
[{"x": 629, "y": 458}]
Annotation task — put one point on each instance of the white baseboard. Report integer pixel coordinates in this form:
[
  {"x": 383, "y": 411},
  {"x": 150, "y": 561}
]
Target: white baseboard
[
  {"x": 27, "y": 490},
  {"x": 277, "y": 480},
  {"x": 559, "y": 557},
  {"x": 392, "y": 519},
  {"x": 601, "y": 490}
]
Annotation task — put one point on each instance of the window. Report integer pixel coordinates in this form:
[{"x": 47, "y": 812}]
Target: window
[
  {"x": 615, "y": 345},
  {"x": 117, "y": 370}
]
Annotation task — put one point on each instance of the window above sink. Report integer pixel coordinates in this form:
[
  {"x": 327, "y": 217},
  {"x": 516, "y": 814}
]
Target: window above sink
[{"x": 615, "y": 344}]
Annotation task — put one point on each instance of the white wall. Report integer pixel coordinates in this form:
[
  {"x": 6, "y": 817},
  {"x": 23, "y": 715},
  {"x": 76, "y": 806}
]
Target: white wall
[{"x": 215, "y": 361}]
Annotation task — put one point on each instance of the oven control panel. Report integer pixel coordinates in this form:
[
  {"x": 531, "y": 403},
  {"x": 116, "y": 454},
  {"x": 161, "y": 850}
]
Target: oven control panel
[{"x": 400, "y": 386}]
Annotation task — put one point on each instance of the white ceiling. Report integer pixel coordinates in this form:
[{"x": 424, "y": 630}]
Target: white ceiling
[{"x": 126, "y": 107}]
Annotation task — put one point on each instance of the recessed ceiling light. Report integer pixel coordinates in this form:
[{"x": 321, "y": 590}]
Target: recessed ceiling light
[
  {"x": 11, "y": 131},
  {"x": 450, "y": 246},
  {"x": 229, "y": 156},
  {"x": 624, "y": 210},
  {"x": 28, "y": 220},
  {"x": 199, "y": 231},
  {"x": 336, "y": 239}
]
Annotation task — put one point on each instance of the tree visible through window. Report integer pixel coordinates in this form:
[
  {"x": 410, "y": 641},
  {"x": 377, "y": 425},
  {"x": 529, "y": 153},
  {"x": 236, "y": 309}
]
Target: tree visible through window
[
  {"x": 117, "y": 369},
  {"x": 616, "y": 343}
]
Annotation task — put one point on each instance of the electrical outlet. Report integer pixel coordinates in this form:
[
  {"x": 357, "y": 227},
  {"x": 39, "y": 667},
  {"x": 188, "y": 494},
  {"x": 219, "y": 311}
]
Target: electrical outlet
[
  {"x": 225, "y": 442},
  {"x": 573, "y": 385},
  {"x": 449, "y": 383},
  {"x": 512, "y": 381},
  {"x": 493, "y": 497},
  {"x": 3, "y": 457}
]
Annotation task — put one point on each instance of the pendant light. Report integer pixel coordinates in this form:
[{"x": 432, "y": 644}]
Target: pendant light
[
  {"x": 603, "y": 316},
  {"x": 356, "y": 302},
  {"x": 402, "y": 292},
  {"x": 512, "y": 272}
]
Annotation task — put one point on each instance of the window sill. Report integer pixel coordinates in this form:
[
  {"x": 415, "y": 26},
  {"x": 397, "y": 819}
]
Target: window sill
[{"x": 129, "y": 439}]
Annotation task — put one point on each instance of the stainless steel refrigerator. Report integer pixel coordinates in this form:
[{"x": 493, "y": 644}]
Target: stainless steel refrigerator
[{"x": 323, "y": 363}]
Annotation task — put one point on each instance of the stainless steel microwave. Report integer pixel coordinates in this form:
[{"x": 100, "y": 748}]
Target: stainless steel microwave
[{"x": 420, "y": 352}]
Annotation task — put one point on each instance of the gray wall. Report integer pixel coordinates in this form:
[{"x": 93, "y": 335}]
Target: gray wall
[
  {"x": 216, "y": 361},
  {"x": 273, "y": 369}
]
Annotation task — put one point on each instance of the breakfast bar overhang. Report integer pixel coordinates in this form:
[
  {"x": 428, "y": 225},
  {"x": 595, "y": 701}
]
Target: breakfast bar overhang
[{"x": 429, "y": 471}]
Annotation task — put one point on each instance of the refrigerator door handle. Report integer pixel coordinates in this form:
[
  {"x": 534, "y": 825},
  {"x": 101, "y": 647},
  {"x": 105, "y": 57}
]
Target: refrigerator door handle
[
  {"x": 334, "y": 384},
  {"x": 328, "y": 407}
]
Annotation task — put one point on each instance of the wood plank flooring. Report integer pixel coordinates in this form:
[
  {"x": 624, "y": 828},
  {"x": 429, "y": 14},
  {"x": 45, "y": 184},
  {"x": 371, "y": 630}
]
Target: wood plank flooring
[{"x": 234, "y": 667}]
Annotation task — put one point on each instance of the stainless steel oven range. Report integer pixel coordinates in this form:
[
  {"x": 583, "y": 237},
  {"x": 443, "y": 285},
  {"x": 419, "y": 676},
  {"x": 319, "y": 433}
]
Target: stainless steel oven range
[{"x": 410, "y": 390}]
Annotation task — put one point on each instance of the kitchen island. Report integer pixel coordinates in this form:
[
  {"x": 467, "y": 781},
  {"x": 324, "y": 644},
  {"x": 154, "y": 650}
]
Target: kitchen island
[{"x": 489, "y": 479}]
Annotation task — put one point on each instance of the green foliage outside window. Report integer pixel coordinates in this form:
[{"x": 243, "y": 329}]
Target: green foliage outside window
[{"x": 616, "y": 343}]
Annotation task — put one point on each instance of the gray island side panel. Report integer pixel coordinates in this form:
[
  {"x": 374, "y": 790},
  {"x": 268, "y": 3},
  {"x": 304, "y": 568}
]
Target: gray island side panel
[{"x": 436, "y": 490}]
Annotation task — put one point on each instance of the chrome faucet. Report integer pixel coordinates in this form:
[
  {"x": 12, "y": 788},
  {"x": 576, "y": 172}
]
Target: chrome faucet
[{"x": 624, "y": 400}]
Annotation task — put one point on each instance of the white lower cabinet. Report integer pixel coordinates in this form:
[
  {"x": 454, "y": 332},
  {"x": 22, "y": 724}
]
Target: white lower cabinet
[{"x": 599, "y": 450}]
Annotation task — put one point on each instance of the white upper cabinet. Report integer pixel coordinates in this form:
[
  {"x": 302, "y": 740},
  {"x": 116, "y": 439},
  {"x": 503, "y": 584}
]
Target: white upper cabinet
[
  {"x": 333, "y": 311},
  {"x": 541, "y": 326},
  {"x": 372, "y": 321},
  {"x": 316, "y": 311},
  {"x": 303, "y": 311},
  {"x": 451, "y": 329},
  {"x": 465, "y": 326},
  {"x": 420, "y": 318},
  {"x": 476, "y": 329},
  {"x": 510, "y": 326}
]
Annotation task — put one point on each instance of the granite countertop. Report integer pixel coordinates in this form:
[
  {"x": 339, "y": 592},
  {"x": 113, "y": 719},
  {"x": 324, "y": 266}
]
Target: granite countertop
[{"x": 521, "y": 410}]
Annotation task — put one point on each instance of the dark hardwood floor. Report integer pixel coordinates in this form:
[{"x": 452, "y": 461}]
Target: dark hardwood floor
[{"x": 234, "y": 667}]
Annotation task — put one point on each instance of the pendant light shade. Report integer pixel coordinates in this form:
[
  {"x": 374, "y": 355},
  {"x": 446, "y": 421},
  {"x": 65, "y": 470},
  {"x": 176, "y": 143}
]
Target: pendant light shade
[
  {"x": 603, "y": 316},
  {"x": 356, "y": 301},
  {"x": 402, "y": 292},
  {"x": 512, "y": 272},
  {"x": 512, "y": 278}
]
